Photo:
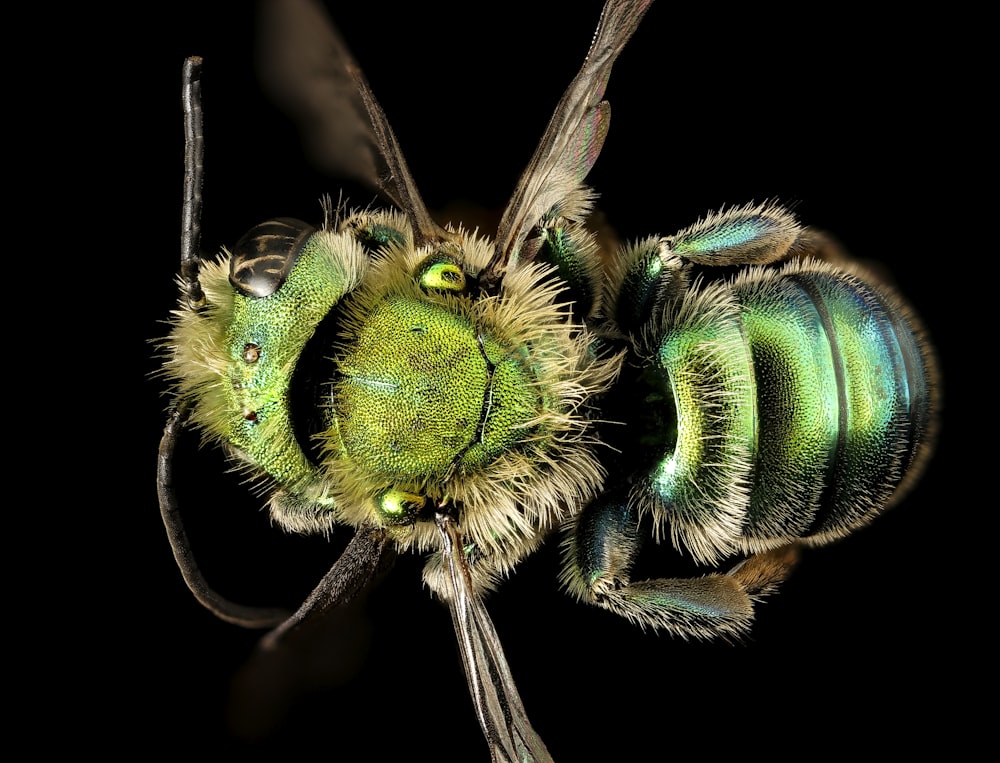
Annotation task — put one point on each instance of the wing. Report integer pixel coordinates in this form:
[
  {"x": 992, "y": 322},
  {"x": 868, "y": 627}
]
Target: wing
[
  {"x": 498, "y": 705},
  {"x": 573, "y": 139},
  {"x": 305, "y": 67}
]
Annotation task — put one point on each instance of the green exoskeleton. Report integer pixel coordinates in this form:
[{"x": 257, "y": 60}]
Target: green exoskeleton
[{"x": 738, "y": 390}]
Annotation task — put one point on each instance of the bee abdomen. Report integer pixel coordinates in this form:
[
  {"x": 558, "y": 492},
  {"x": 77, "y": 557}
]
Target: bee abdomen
[
  {"x": 884, "y": 374},
  {"x": 814, "y": 413}
]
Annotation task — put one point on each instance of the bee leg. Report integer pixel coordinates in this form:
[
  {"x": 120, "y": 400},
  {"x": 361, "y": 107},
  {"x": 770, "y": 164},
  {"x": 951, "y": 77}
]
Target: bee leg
[
  {"x": 657, "y": 269},
  {"x": 820, "y": 246},
  {"x": 760, "y": 574},
  {"x": 602, "y": 548},
  {"x": 573, "y": 250},
  {"x": 749, "y": 235}
]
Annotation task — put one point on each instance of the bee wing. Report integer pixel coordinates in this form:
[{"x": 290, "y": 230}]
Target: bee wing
[
  {"x": 498, "y": 705},
  {"x": 306, "y": 68},
  {"x": 573, "y": 139},
  {"x": 367, "y": 558}
]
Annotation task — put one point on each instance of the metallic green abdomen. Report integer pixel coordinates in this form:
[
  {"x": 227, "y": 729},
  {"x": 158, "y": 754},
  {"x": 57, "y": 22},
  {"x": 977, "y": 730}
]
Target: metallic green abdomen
[{"x": 801, "y": 401}]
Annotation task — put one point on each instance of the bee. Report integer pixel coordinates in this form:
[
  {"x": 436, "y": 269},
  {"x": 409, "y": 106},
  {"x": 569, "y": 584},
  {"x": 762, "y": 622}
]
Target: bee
[{"x": 737, "y": 391}]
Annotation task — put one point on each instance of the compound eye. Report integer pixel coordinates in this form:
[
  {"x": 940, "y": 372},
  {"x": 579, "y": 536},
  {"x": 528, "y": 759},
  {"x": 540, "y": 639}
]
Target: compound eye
[
  {"x": 264, "y": 257},
  {"x": 441, "y": 271}
]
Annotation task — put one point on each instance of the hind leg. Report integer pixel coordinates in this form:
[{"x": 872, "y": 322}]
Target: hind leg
[{"x": 601, "y": 549}]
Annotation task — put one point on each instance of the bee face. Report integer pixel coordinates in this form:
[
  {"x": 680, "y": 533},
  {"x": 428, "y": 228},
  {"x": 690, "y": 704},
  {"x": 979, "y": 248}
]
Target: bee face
[{"x": 432, "y": 402}]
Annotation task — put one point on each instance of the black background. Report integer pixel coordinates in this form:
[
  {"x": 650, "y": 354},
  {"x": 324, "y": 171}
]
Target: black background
[{"x": 841, "y": 116}]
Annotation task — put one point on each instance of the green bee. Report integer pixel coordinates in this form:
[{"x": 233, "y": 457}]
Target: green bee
[{"x": 738, "y": 390}]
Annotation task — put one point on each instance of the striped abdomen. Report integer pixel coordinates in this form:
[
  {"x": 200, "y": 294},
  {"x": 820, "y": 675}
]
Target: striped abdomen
[{"x": 803, "y": 400}]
